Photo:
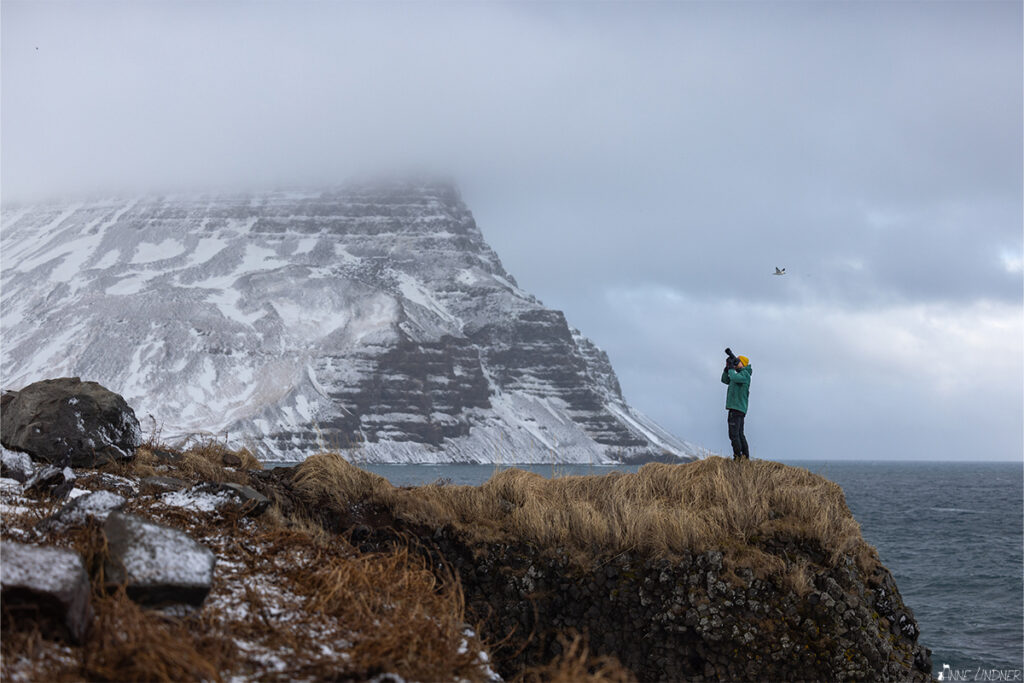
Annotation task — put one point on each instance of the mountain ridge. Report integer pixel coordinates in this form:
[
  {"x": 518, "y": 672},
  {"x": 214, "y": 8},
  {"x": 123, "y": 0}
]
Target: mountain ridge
[{"x": 373, "y": 316}]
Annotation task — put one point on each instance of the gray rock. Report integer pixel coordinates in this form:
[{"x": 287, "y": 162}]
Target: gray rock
[
  {"x": 231, "y": 460},
  {"x": 14, "y": 465},
  {"x": 92, "y": 506},
  {"x": 53, "y": 580},
  {"x": 49, "y": 479},
  {"x": 157, "y": 564},
  {"x": 67, "y": 421},
  {"x": 162, "y": 483},
  {"x": 115, "y": 484}
]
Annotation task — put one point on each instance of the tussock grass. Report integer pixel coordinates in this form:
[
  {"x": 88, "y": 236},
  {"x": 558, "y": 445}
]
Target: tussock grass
[
  {"x": 327, "y": 477},
  {"x": 661, "y": 511}
]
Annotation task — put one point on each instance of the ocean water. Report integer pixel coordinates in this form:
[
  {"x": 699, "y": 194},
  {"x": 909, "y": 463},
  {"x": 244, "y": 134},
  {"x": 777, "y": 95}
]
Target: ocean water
[{"x": 952, "y": 533}]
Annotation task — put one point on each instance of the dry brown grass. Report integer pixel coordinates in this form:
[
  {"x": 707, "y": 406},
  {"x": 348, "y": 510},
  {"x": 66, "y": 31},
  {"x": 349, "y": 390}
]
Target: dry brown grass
[
  {"x": 404, "y": 619},
  {"x": 30, "y": 652},
  {"x": 327, "y": 477},
  {"x": 289, "y": 602},
  {"x": 577, "y": 665},
  {"x": 202, "y": 459},
  {"x": 661, "y": 510},
  {"x": 129, "y": 643}
]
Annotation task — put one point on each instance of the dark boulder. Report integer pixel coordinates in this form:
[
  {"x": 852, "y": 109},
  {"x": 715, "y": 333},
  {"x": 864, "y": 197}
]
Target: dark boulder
[
  {"x": 70, "y": 422},
  {"x": 157, "y": 564},
  {"x": 45, "y": 584}
]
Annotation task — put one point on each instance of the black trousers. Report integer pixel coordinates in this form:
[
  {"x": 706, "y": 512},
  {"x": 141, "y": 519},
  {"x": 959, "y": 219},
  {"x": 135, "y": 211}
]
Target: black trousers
[{"x": 740, "y": 449}]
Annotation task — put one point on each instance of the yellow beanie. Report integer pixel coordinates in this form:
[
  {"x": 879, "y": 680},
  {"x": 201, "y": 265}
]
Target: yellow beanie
[{"x": 745, "y": 360}]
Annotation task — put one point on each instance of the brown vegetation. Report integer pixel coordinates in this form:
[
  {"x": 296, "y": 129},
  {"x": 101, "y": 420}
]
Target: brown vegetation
[
  {"x": 202, "y": 459},
  {"x": 375, "y": 593},
  {"x": 289, "y": 601},
  {"x": 293, "y": 601},
  {"x": 129, "y": 643},
  {"x": 661, "y": 510}
]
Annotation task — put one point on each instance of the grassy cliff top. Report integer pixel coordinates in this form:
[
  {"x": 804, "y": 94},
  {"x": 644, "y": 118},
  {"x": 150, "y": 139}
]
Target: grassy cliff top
[{"x": 741, "y": 508}]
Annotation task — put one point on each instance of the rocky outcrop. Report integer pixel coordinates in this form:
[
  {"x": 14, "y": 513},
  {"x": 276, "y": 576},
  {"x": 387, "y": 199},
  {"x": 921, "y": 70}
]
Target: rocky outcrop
[
  {"x": 373, "y": 317},
  {"x": 68, "y": 422},
  {"x": 689, "y": 618},
  {"x": 46, "y": 584},
  {"x": 158, "y": 565},
  {"x": 690, "y": 615}
]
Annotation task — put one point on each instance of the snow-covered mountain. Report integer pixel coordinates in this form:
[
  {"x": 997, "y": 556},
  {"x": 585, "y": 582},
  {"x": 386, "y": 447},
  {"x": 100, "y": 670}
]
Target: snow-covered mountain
[{"x": 373, "y": 317}]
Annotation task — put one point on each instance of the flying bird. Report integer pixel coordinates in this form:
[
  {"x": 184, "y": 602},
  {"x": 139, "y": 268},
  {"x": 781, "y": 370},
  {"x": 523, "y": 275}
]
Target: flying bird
[{"x": 779, "y": 272}]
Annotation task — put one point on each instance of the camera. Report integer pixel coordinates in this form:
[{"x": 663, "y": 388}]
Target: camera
[{"x": 731, "y": 360}]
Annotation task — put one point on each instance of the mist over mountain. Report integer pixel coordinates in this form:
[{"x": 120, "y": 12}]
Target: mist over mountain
[{"x": 372, "y": 317}]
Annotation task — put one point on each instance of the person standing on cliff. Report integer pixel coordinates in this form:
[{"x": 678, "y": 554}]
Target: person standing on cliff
[{"x": 737, "y": 375}]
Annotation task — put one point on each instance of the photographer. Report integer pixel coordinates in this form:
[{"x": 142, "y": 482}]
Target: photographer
[{"x": 737, "y": 375}]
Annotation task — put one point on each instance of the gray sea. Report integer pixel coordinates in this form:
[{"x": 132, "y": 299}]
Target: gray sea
[{"x": 952, "y": 533}]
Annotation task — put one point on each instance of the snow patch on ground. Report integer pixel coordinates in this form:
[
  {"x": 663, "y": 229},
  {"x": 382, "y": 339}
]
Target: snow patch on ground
[
  {"x": 198, "y": 501},
  {"x": 306, "y": 245},
  {"x": 108, "y": 260},
  {"x": 227, "y": 301},
  {"x": 148, "y": 252},
  {"x": 131, "y": 284},
  {"x": 206, "y": 249}
]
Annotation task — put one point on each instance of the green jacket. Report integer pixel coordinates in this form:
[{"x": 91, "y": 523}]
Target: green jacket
[{"x": 739, "y": 388}]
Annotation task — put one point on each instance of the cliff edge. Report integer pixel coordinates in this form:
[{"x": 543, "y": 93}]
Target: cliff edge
[{"x": 712, "y": 570}]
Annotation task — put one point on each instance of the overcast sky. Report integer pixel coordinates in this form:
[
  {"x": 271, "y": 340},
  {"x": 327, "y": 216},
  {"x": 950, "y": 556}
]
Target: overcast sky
[{"x": 643, "y": 167}]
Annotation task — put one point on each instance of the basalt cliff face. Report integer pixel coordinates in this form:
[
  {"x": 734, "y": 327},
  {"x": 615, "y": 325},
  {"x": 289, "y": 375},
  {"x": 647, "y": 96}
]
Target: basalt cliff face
[{"x": 373, "y": 317}]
